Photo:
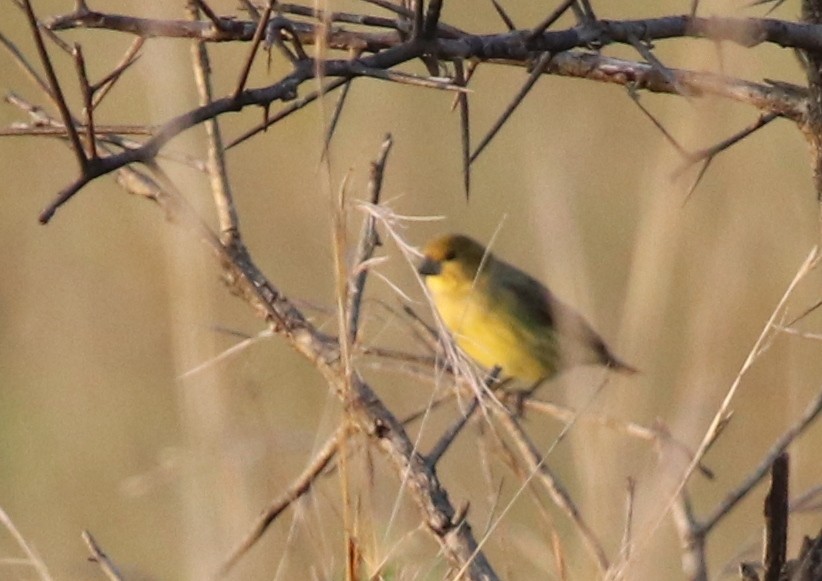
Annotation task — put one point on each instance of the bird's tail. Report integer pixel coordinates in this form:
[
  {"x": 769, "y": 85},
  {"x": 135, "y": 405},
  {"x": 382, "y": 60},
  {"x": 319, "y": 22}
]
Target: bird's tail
[
  {"x": 618, "y": 365},
  {"x": 611, "y": 361}
]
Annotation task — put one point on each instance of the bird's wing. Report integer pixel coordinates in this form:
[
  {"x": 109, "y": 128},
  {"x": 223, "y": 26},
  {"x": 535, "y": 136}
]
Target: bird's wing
[
  {"x": 539, "y": 305},
  {"x": 533, "y": 301}
]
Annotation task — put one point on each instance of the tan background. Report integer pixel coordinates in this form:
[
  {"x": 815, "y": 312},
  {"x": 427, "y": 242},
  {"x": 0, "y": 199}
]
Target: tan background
[{"x": 103, "y": 309}]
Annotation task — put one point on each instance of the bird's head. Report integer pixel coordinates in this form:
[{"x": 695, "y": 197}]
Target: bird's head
[{"x": 452, "y": 260}]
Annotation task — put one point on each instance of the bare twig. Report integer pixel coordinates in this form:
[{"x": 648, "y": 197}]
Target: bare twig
[
  {"x": 407, "y": 79},
  {"x": 692, "y": 544},
  {"x": 54, "y": 85},
  {"x": 776, "y": 519},
  {"x": 107, "y": 566},
  {"x": 539, "y": 68},
  {"x": 720, "y": 417},
  {"x": 299, "y": 487},
  {"x": 708, "y": 155},
  {"x": 249, "y": 7},
  {"x": 59, "y": 42},
  {"x": 540, "y": 28},
  {"x": 806, "y": 419},
  {"x": 535, "y": 461},
  {"x": 217, "y": 171},
  {"x": 394, "y": 53},
  {"x": 368, "y": 242},
  {"x": 812, "y": 14},
  {"x": 649, "y": 56},
  {"x": 506, "y": 19},
  {"x": 104, "y": 85},
  {"x": 658, "y": 124},
  {"x": 293, "y": 107},
  {"x": 32, "y": 558},
  {"x": 657, "y": 434},
  {"x": 785, "y": 102},
  {"x": 335, "y": 118},
  {"x": 88, "y": 107},
  {"x": 418, "y": 29},
  {"x": 451, "y": 434},
  {"x": 630, "y": 490},
  {"x": 24, "y": 64},
  {"x": 259, "y": 33},
  {"x": 432, "y": 18},
  {"x": 465, "y": 126},
  {"x": 747, "y": 32},
  {"x": 368, "y": 411},
  {"x": 212, "y": 16}
]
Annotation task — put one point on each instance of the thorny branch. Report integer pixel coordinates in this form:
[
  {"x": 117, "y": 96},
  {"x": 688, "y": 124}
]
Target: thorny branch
[
  {"x": 375, "y": 50},
  {"x": 368, "y": 411},
  {"x": 394, "y": 47}
]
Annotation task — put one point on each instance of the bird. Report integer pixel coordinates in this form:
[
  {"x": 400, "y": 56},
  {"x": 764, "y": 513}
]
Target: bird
[{"x": 505, "y": 319}]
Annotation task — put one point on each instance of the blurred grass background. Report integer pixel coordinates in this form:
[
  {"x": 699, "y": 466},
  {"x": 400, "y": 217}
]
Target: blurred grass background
[{"x": 104, "y": 308}]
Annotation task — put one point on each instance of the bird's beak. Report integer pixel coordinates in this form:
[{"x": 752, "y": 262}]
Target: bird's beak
[{"x": 429, "y": 267}]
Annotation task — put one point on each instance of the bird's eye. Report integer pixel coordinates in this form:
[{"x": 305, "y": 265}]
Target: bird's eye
[{"x": 450, "y": 255}]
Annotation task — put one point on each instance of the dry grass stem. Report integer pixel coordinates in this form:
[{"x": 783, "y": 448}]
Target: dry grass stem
[{"x": 107, "y": 566}]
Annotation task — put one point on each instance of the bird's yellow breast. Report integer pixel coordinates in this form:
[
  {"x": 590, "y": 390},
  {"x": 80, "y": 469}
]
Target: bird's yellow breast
[{"x": 487, "y": 332}]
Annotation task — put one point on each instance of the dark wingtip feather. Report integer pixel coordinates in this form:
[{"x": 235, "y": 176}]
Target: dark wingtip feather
[
  {"x": 611, "y": 361},
  {"x": 621, "y": 366}
]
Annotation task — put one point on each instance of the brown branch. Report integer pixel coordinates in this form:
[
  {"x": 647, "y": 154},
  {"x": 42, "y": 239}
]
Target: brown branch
[
  {"x": 104, "y": 85},
  {"x": 102, "y": 131},
  {"x": 217, "y": 171},
  {"x": 748, "y": 32},
  {"x": 338, "y": 109},
  {"x": 495, "y": 48},
  {"x": 54, "y": 85},
  {"x": 783, "y": 101},
  {"x": 368, "y": 242},
  {"x": 283, "y": 90},
  {"x": 292, "y": 107},
  {"x": 461, "y": 79},
  {"x": 320, "y": 464},
  {"x": 59, "y": 42},
  {"x": 445, "y": 441},
  {"x": 210, "y": 14},
  {"x": 776, "y": 519},
  {"x": 88, "y": 106},
  {"x": 367, "y": 411},
  {"x": 432, "y": 18},
  {"x": 812, "y": 15},
  {"x": 259, "y": 32},
  {"x": 535, "y": 461},
  {"x": 645, "y": 51}
]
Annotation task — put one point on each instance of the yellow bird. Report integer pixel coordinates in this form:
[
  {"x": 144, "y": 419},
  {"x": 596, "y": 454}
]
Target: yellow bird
[{"x": 501, "y": 316}]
